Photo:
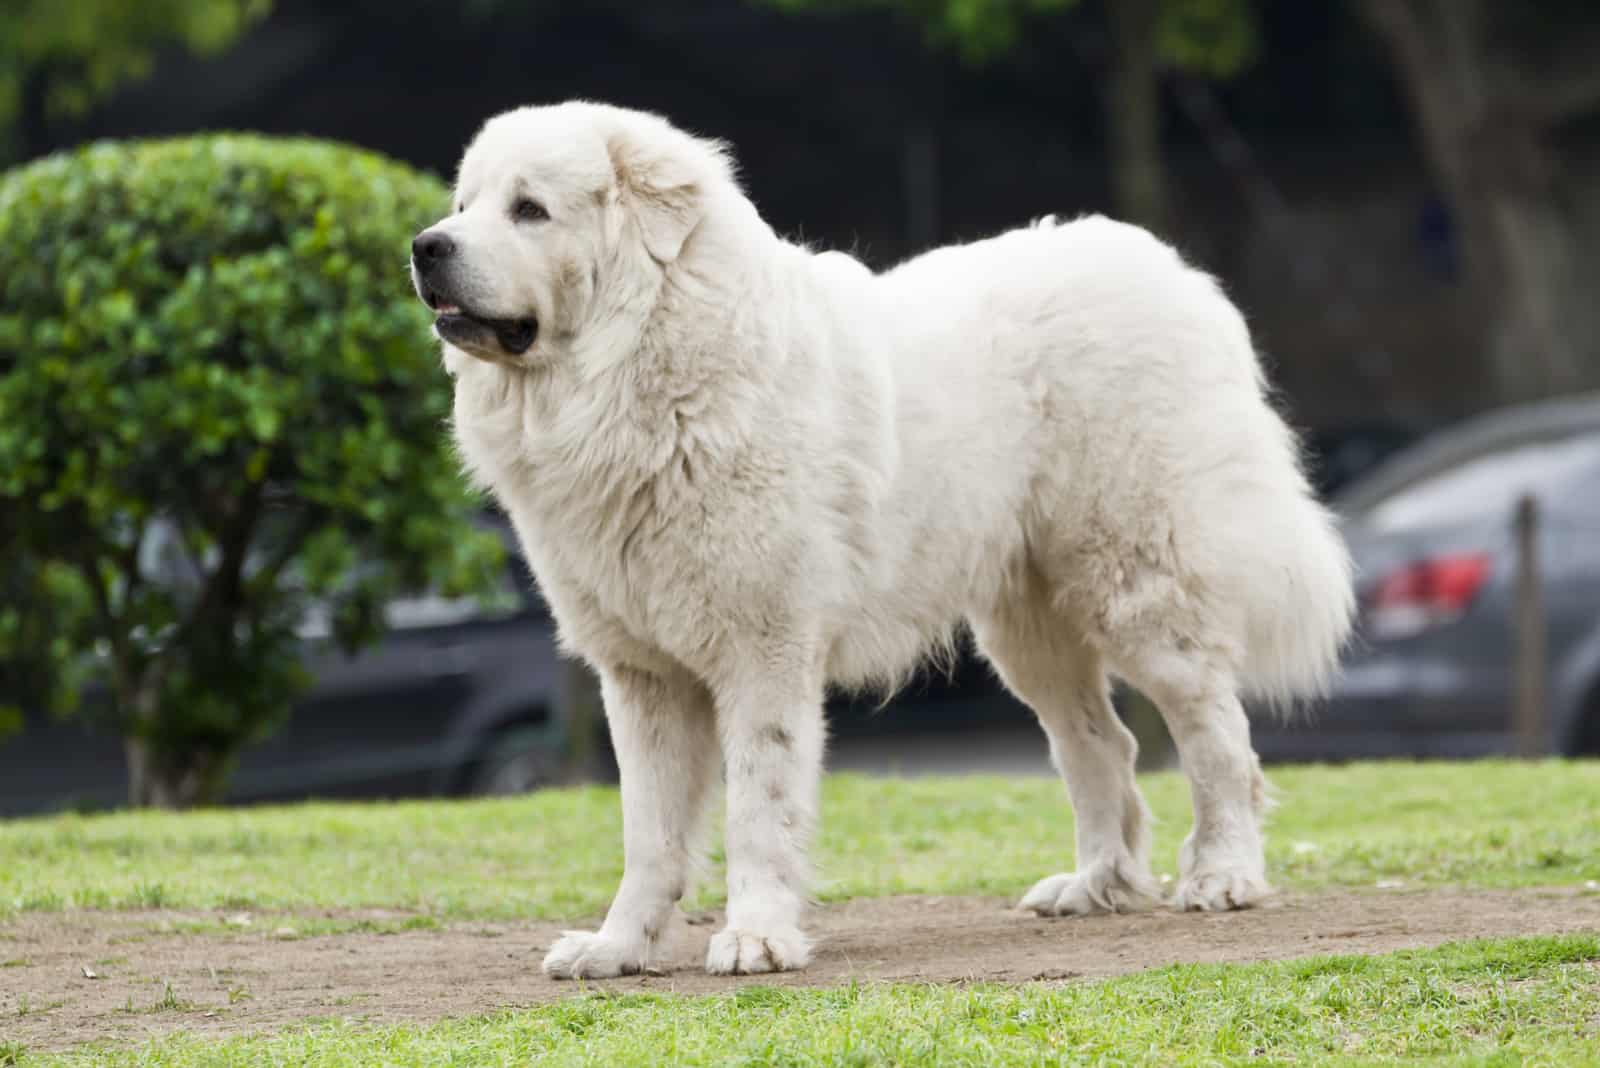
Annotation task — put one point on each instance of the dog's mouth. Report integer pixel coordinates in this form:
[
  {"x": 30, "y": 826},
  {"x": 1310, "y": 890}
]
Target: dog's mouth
[{"x": 468, "y": 330}]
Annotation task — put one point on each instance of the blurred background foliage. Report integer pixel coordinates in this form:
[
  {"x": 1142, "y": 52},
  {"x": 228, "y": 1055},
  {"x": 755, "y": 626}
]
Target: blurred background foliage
[
  {"x": 220, "y": 412},
  {"x": 59, "y": 57}
]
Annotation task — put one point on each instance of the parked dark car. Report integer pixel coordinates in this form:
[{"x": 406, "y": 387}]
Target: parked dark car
[
  {"x": 1432, "y": 534},
  {"x": 1338, "y": 456},
  {"x": 461, "y": 696}
]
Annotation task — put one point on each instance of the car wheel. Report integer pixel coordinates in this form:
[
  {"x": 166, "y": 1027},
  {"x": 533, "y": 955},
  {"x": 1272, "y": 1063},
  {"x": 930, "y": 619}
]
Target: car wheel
[{"x": 518, "y": 761}]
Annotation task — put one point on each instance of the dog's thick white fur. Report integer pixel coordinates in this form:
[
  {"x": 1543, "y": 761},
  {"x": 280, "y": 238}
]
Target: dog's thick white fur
[{"x": 744, "y": 472}]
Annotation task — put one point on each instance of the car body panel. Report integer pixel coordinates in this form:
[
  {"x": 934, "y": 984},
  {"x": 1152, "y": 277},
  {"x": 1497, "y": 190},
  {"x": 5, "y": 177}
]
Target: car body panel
[{"x": 1448, "y": 689}]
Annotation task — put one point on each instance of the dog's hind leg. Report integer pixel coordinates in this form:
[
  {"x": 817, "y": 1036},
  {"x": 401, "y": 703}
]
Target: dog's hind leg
[
  {"x": 663, "y": 731},
  {"x": 1221, "y": 863},
  {"x": 1044, "y": 661}
]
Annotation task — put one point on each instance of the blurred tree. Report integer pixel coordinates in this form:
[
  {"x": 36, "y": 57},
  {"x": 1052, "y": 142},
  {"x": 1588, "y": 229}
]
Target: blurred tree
[
  {"x": 58, "y": 57},
  {"x": 36, "y": 603},
  {"x": 1494, "y": 88},
  {"x": 1209, "y": 38},
  {"x": 979, "y": 29},
  {"x": 221, "y": 416}
]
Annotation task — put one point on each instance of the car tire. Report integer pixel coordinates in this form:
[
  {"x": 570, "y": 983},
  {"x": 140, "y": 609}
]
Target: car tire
[{"x": 517, "y": 761}]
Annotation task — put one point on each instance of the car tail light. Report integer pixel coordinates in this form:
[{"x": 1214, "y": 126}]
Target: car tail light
[{"x": 1425, "y": 594}]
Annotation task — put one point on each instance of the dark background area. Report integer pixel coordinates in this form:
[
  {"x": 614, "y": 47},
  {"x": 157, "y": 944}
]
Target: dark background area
[{"x": 1297, "y": 182}]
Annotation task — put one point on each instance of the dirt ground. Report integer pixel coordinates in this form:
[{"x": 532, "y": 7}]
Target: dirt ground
[{"x": 149, "y": 980}]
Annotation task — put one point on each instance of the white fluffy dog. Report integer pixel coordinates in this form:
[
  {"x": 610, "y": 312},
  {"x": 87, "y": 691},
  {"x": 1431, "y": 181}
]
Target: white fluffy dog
[{"x": 744, "y": 472}]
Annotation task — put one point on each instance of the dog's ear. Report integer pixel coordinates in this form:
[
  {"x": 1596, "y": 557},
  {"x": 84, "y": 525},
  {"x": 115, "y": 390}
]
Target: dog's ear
[{"x": 663, "y": 190}]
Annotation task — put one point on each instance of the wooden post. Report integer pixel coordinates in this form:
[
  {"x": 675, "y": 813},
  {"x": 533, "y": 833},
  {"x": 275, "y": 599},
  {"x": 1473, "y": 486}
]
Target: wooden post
[{"x": 1528, "y": 641}]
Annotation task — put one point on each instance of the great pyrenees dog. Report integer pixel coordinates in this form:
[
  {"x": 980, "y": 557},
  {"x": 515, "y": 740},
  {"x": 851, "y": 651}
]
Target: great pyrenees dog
[{"x": 744, "y": 472}]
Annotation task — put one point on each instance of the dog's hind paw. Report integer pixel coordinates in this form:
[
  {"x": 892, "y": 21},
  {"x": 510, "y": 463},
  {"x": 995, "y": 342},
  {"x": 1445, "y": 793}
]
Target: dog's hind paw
[
  {"x": 588, "y": 955},
  {"x": 736, "y": 952},
  {"x": 1100, "y": 887},
  {"x": 1219, "y": 891}
]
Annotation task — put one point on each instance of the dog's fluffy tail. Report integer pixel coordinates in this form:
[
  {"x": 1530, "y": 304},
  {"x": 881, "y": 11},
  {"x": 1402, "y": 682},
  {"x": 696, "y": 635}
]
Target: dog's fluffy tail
[{"x": 1304, "y": 603}]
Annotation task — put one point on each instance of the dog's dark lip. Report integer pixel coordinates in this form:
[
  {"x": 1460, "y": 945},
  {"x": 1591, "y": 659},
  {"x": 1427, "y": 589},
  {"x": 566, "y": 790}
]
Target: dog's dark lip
[
  {"x": 515, "y": 336},
  {"x": 452, "y": 322}
]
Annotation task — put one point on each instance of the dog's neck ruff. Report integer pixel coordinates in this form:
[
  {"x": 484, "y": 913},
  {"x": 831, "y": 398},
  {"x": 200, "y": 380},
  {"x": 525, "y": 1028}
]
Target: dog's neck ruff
[{"x": 596, "y": 424}]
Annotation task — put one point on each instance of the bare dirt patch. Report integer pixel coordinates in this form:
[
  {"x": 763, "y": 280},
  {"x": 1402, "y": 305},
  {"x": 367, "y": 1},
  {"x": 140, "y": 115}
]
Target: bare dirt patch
[{"x": 149, "y": 977}]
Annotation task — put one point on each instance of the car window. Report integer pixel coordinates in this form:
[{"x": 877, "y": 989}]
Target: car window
[
  {"x": 433, "y": 610},
  {"x": 429, "y": 609},
  {"x": 1487, "y": 485},
  {"x": 163, "y": 559}
]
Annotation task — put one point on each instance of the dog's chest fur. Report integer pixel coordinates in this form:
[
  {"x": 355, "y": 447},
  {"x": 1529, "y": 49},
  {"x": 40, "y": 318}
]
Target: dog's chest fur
[{"x": 622, "y": 512}]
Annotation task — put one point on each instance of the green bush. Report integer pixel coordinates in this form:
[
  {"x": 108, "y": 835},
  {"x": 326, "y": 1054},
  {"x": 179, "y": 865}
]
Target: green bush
[{"x": 219, "y": 401}]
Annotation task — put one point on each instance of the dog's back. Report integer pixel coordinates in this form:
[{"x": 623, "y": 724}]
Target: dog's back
[{"x": 1075, "y": 399}]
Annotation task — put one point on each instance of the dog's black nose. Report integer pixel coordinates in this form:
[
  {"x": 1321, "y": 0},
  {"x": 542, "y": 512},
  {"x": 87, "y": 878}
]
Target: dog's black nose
[{"x": 430, "y": 246}]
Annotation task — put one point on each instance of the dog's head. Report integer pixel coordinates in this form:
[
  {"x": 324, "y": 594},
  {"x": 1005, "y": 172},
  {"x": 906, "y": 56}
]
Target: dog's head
[{"x": 566, "y": 218}]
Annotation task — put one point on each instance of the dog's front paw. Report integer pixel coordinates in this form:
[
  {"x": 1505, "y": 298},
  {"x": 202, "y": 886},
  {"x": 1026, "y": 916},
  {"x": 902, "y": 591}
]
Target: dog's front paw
[
  {"x": 1219, "y": 891},
  {"x": 1099, "y": 887},
  {"x": 589, "y": 955},
  {"x": 736, "y": 952}
]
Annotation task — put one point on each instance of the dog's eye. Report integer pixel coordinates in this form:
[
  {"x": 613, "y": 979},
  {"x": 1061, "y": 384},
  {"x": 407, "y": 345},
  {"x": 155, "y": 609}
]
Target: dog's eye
[{"x": 525, "y": 210}]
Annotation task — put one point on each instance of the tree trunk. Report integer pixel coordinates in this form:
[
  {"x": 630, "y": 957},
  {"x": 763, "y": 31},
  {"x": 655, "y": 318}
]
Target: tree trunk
[
  {"x": 1133, "y": 116},
  {"x": 919, "y": 153},
  {"x": 1546, "y": 340},
  {"x": 33, "y": 113},
  {"x": 159, "y": 779},
  {"x": 1488, "y": 138},
  {"x": 919, "y": 168}
]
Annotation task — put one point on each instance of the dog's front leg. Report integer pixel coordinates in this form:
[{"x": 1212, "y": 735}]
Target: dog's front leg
[
  {"x": 769, "y": 716},
  {"x": 663, "y": 732}
]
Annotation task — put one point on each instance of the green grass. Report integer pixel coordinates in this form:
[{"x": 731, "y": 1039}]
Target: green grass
[
  {"x": 558, "y": 854},
  {"x": 1507, "y": 1002},
  {"x": 169, "y": 1001}
]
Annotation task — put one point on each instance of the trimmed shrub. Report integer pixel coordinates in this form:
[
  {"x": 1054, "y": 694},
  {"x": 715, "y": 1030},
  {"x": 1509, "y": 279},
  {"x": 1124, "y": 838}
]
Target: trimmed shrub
[{"x": 219, "y": 406}]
